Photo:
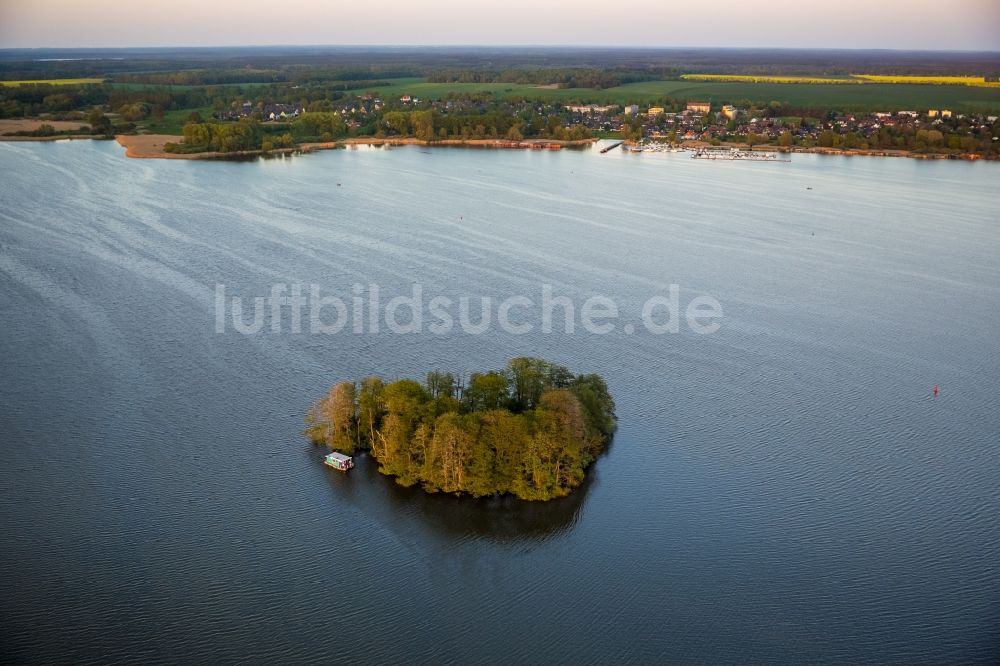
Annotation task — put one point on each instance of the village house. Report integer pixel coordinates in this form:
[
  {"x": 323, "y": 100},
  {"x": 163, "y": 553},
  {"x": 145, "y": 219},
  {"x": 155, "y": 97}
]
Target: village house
[
  {"x": 699, "y": 107},
  {"x": 729, "y": 111},
  {"x": 280, "y": 111},
  {"x": 654, "y": 111}
]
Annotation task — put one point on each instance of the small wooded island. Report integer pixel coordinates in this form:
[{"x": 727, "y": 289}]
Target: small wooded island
[{"x": 529, "y": 430}]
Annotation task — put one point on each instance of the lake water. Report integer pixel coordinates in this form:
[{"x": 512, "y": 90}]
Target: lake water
[{"x": 784, "y": 490}]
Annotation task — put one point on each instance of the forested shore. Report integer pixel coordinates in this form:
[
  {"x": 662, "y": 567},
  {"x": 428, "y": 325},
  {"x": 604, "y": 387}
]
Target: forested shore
[{"x": 529, "y": 430}]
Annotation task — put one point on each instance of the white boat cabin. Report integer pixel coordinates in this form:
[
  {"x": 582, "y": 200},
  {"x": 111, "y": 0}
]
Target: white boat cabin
[{"x": 339, "y": 461}]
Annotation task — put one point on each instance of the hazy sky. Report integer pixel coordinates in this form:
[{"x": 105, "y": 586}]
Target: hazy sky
[{"x": 894, "y": 24}]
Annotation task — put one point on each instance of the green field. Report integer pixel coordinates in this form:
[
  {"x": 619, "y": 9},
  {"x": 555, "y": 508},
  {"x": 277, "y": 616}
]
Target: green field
[
  {"x": 872, "y": 97},
  {"x": 175, "y": 87},
  {"x": 424, "y": 90},
  {"x": 173, "y": 121},
  {"x": 52, "y": 82}
]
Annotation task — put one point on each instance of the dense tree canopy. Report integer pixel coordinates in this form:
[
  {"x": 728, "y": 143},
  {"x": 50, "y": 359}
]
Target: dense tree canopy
[
  {"x": 223, "y": 138},
  {"x": 529, "y": 430},
  {"x": 318, "y": 125}
]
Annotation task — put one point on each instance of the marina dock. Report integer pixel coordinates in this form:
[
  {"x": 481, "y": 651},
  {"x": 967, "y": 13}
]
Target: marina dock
[{"x": 736, "y": 154}]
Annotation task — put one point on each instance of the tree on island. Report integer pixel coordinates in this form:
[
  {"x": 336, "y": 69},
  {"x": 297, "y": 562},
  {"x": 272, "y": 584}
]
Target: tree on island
[{"x": 529, "y": 430}]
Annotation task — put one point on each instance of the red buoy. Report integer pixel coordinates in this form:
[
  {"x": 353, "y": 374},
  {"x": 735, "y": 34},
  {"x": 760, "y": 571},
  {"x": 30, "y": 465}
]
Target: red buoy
[{"x": 935, "y": 389}]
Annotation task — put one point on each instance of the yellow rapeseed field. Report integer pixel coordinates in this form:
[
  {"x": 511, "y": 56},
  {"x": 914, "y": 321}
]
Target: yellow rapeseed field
[{"x": 52, "y": 82}]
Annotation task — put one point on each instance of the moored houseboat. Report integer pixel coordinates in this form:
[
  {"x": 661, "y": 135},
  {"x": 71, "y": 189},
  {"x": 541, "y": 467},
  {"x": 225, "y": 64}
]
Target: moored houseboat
[{"x": 339, "y": 461}]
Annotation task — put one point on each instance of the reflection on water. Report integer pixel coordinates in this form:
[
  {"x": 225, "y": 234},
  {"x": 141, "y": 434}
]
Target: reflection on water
[{"x": 501, "y": 518}]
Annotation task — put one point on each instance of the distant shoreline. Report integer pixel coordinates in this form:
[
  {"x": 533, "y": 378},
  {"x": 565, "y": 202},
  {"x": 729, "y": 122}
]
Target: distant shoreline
[
  {"x": 151, "y": 146},
  {"x": 846, "y": 152},
  {"x": 54, "y": 137}
]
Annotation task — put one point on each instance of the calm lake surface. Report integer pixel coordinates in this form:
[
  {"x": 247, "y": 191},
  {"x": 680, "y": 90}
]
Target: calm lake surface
[{"x": 785, "y": 490}]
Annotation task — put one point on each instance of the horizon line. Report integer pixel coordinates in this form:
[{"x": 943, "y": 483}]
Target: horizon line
[{"x": 397, "y": 47}]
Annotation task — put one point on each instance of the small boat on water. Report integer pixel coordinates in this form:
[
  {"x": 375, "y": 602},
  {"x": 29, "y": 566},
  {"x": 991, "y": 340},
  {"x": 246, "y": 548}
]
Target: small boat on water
[{"x": 339, "y": 461}]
